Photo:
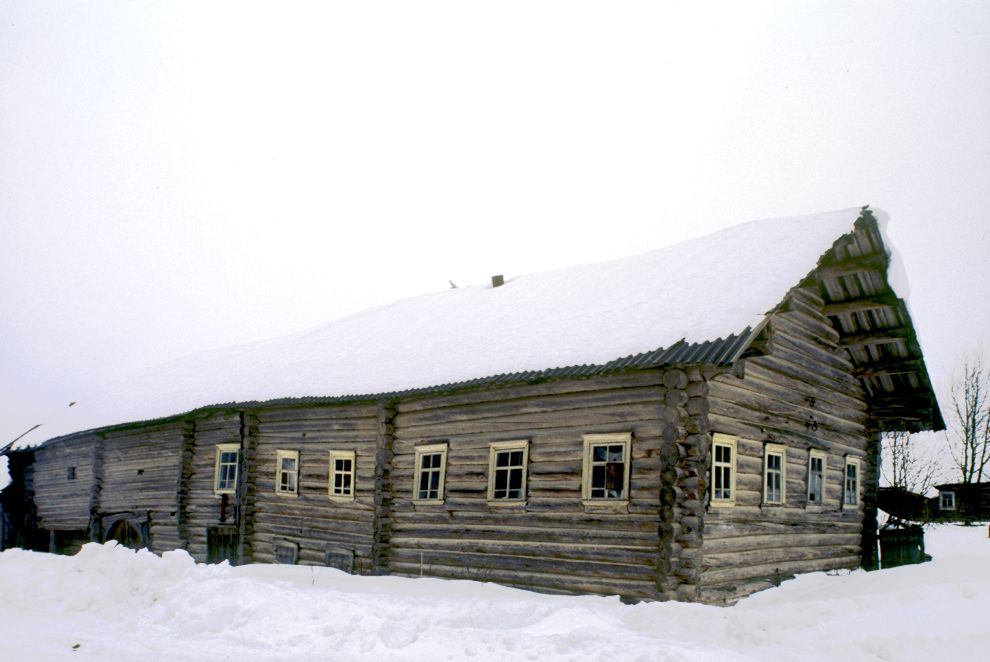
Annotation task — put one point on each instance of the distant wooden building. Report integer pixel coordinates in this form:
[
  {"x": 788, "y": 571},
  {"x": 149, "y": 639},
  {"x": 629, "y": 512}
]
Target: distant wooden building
[
  {"x": 697, "y": 471},
  {"x": 961, "y": 502}
]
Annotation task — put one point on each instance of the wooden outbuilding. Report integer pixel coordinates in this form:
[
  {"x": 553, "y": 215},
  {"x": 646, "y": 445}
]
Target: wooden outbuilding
[
  {"x": 704, "y": 469},
  {"x": 960, "y": 502}
]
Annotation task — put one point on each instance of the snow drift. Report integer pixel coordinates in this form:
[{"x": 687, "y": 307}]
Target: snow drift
[{"x": 109, "y": 602}]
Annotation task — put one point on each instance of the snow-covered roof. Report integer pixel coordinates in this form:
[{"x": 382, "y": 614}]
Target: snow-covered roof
[{"x": 699, "y": 290}]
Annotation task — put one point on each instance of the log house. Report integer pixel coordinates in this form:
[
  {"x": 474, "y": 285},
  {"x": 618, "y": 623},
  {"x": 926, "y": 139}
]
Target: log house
[{"x": 700, "y": 471}]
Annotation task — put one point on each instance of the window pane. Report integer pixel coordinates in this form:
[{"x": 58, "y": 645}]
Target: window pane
[
  {"x": 598, "y": 477},
  {"x": 614, "y": 476},
  {"x": 501, "y": 478},
  {"x": 615, "y": 453},
  {"x": 599, "y": 453},
  {"x": 515, "y": 479}
]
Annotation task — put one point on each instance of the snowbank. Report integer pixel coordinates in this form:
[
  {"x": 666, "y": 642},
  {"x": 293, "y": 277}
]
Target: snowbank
[
  {"x": 698, "y": 290},
  {"x": 108, "y": 602}
]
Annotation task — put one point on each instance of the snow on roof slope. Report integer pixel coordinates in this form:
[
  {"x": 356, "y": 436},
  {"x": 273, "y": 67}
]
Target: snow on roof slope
[{"x": 698, "y": 290}]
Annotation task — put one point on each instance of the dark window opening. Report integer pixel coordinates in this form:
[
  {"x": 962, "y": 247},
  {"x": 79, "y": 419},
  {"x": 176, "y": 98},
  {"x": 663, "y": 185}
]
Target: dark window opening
[
  {"x": 608, "y": 471},
  {"x": 429, "y": 476}
]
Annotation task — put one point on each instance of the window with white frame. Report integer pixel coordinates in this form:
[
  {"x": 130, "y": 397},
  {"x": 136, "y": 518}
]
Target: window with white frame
[
  {"x": 817, "y": 464},
  {"x": 431, "y": 468},
  {"x": 287, "y": 472},
  {"x": 774, "y": 474},
  {"x": 723, "y": 481},
  {"x": 225, "y": 471},
  {"x": 946, "y": 500},
  {"x": 850, "y": 483},
  {"x": 507, "y": 466},
  {"x": 606, "y": 467},
  {"x": 342, "y": 467}
]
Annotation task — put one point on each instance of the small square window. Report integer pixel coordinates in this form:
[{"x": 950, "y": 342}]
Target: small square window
[
  {"x": 70, "y": 474},
  {"x": 507, "y": 467},
  {"x": 605, "y": 473},
  {"x": 946, "y": 500},
  {"x": 286, "y": 553},
  {"x": 431, "y": 467},
  {"x": 341, "y": 559},
  {"x": 342, "y": 468},
  {"x": 287, "y": 472}
]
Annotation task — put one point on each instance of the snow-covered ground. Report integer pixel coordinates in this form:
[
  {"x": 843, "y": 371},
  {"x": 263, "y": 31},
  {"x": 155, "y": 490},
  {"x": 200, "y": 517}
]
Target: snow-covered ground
[{"x": 110, "y": 603}]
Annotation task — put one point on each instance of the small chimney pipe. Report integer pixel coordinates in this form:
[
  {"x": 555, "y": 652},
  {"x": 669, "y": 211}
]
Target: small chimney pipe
[{"x": 498, "y": 281}]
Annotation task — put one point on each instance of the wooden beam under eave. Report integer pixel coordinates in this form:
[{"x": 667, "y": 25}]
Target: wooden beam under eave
[
  {"x": 902, "y": 425},
  {"x": 878, "y": 337},
  {"x": 900, "y": 398},
  {"x": 860, "y": 305},
  {"x": 887, "y": 368},
  {"x": 870, "y": 262}
]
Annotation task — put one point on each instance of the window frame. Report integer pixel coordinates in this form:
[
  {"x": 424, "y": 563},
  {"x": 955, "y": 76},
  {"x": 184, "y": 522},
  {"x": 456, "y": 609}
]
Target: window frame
[
  {"x": 494, "y": 450},
  {"x": 430, "y": 449},
  {"x": 588, "y": 465},
  {"x": 279, "y": 456},
  {"x": 814, "y": 454},
  {"x": 941, "y": 500},
  {"x": 731, "y": 442},
  {"x": 851, "y": 462},
  {"x": 220, "y": 450},
  {"x": 777, "y": 450},
  {"x": 332, "y": 474}
]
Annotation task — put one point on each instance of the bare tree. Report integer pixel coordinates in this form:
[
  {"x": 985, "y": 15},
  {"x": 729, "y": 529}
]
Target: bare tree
[
  {"x": 969, "y": 424},
  {"x": 905, "y": 466}
]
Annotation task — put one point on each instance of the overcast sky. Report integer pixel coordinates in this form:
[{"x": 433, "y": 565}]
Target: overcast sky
[{"x": 180, "y": 178}]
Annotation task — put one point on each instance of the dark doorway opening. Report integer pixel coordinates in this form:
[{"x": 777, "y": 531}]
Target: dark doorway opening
[
  {"x": 126, "y": 534},
  {"x": 221, "y": 544}
]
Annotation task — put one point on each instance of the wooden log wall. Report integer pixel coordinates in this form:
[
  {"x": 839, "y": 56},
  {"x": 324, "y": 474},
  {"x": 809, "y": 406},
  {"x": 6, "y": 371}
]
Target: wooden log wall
[
  {"x": 311, "y": 519},
  {"x": 201, "y": 506},
  {"x": 246, "y": 488},
  {"x": 683, "y": 486},
  {"x": 802, "y": 395},
  {"x": 553, "y": 543},
  {"x": 384, "y": 489},
  {"x": 139, "y": 470},
  {"x": 64, "y": 503}
]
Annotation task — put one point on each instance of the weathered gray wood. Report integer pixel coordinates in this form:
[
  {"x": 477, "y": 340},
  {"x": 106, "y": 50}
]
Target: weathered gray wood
[
  {"x": 311, "y": 519},
  {"x": 551, "y": 532},
  {"x": 804, "y": 396},
  {"x": 555, "y": 387},
  {"x": 202, "y": 505},
  {"x": 64, "y": 503}
]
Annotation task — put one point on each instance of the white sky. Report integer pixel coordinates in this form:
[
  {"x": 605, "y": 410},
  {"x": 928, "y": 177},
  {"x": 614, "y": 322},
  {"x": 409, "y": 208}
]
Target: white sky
[{"x": 179, "y": 178}]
